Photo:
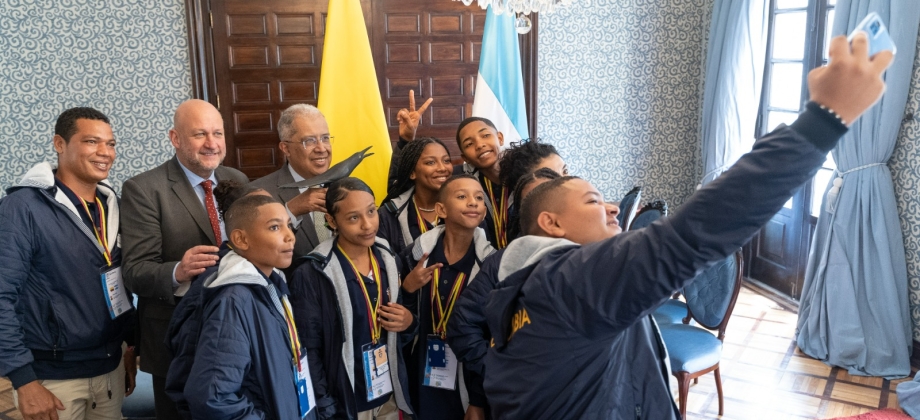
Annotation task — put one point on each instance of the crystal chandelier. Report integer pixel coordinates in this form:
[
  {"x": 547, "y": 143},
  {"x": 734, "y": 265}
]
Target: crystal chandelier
[{"x": 521, "y": 8}]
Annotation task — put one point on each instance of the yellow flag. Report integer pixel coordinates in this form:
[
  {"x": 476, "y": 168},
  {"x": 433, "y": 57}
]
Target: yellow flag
[{"x": 349, "y": 96}]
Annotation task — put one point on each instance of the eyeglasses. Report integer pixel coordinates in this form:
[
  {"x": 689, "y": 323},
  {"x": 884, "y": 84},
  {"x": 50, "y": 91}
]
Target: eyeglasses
[{"x": 311, "y": 142}]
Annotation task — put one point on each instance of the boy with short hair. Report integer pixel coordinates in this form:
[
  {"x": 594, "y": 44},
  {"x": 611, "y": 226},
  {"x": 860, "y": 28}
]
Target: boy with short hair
[
  {"x": 444, "y": 260},
  {"x": 249, "y": 361},
  {"x": 571, "y": 310}
]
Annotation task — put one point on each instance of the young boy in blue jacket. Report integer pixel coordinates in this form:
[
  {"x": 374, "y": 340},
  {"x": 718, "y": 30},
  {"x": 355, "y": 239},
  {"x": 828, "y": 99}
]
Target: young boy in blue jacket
[
  {"x": 445, "y": 259},
  {"x": 572, "y": 318},
  {"x": 249, "y": 362}
]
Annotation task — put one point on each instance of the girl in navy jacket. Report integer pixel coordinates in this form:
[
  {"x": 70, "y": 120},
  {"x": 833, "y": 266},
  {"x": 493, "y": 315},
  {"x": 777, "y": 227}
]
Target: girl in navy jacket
[{"x": 345, "y": 307}]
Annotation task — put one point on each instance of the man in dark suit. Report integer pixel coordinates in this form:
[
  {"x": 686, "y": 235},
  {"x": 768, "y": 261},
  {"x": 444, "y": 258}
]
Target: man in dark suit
[
  {"x": 170, "y": 231},
  {"x": 307, "y": 147}
]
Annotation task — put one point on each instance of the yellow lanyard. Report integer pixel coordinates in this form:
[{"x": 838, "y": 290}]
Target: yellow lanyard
[
  {"x": 500, "y": 214},
  {"x": 371, "y": 309},
  {"x": 440, "y": 323},
  {"x": 100, "y": 237},
  {"x": 292, "y": 331},
  {"x": 422, "y": 223}
]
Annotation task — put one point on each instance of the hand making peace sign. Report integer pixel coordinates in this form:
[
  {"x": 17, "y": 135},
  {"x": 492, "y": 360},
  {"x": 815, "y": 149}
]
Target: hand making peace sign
[{"x": 409, "y": 118}]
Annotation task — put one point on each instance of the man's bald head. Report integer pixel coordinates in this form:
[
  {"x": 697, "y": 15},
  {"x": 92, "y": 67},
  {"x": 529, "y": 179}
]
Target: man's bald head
[
  {"x": 191, "y": 109},
  {"x": 198, "y": 136}
]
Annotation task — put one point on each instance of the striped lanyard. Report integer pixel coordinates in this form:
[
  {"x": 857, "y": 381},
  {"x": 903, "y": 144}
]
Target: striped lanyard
[
  {"x": 371, "y": 308},
  {"x": 100, "y": 236},
  {"x": 292, "y": 331},
  {"x": 444, "y": 310},
  {"x": 422, "y": 223},
  {"x": 500, "y": 214}
]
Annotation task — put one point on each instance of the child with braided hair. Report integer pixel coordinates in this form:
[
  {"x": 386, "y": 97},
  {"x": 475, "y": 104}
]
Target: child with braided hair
[{"x": 408, "y": 210}]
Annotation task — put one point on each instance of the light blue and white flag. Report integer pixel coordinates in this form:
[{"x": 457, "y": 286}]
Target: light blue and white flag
[{"x": 500, "y": 87}]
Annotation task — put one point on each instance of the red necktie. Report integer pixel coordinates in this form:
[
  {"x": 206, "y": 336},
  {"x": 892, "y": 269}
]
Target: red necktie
[{"x": 212, "y": 210}]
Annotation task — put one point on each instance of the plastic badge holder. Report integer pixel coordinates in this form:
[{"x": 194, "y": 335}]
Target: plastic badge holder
[{"x": 875, "y": 30}]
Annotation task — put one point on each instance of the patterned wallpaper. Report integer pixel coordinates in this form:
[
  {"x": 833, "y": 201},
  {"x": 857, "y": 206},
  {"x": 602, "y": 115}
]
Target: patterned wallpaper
[
  {"x": 905, "y": 168},
  {"x": 620, "y": 92},
  {"x": 124, "y": 57}
]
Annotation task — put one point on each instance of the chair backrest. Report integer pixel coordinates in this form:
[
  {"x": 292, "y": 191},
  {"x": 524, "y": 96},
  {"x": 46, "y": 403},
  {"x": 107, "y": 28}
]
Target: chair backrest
[
  {"x": 628, "y": 206},
  {"x": 711, "y": 296},
  {"x": 648, "y": 214}
]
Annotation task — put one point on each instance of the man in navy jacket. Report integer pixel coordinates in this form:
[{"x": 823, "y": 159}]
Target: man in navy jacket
[
  {"x": 62, "y": 339},
  {"x": 572, "y": 338}
]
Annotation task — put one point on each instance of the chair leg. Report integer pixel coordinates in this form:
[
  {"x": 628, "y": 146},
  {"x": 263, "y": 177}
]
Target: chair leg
[
  {"x": 683, "y": 388},
  {"x": 719, "y": 388}
]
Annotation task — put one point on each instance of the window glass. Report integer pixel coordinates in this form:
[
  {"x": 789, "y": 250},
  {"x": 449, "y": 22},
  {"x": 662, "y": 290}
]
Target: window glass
[
  {"x": 827, "y": 31},
  {"x": 777, "y": 117},
  {"x": 822, "y": 178},
  {"x": 786, "y": 86},
  {"x": 791, "y": 4},
  {"x": 789, "y": 36}
]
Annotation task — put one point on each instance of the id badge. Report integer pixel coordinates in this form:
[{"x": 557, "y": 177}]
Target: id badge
[
  {"x": 305, "y": 396},
  {"x": 440, "y": 365},
  {"x": 376, "y": 371},
  {"x": 436, "y": 354},
  {"x": 116, "y": 297}
]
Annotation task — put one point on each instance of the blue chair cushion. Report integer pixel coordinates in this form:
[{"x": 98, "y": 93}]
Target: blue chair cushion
[
  {"x": 672, "y": 312},
  {"x": 691, "y": 349}
]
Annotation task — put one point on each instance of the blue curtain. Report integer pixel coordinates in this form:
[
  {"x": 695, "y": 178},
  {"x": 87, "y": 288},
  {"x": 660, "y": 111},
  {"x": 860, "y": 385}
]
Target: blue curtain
[
  {"x": 734, "y": 75},
  {"x": 854, "y": 310}
]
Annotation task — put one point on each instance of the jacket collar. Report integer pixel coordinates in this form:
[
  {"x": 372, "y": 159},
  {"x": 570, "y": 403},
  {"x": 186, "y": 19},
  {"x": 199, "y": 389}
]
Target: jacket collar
[
  {"x": 528, "y": 250},
  {"x": 234, "y": 269},
  {"x": 41, "y": 176}
]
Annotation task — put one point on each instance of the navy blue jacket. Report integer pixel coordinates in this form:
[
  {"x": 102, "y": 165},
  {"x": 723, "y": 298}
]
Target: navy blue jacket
[
  {"x": 243, "y": 366},
  {"x": 573, "y": 320},
  {"x": 182, "y": 336},
  {"x": 322, "y": 311},
  {"x": 467, "y": 330},
  {"x": 469, "y": 386},
  {"x": 54, "y": 317}
]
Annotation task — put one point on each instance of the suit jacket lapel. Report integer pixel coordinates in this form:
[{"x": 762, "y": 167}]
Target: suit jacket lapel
[
  {"x": 285, "y": 177},
  {"x": 306, "y": 230},
  {"x": 188, "y": 198}
]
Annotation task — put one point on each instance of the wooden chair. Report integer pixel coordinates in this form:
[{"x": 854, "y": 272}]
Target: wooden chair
[
  {"x": 649, "y": 213},
  {"x": 693, "y": 350},
  {"x": 628, "y": 207}
]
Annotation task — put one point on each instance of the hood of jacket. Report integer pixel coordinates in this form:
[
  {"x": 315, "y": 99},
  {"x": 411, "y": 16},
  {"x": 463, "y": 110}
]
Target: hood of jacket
[
  {"x": 426, "y": 242},
  {"x": 528, "y": 250},
  {"x": 41, "y": 176},
  {"x": 234, "y": 269}
]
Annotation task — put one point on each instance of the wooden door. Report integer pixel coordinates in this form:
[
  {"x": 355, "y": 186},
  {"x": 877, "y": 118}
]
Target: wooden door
[
  {"x": 433, "y": 49},
  {"x": 254, "y": 59},
  {"x": 777, "y": 254},
  {"x": 266, "y": 57}
]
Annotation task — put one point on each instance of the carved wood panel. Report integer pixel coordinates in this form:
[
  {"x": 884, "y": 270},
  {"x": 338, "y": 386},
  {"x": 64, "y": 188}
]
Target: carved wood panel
[{"x": 258, "y": 58}]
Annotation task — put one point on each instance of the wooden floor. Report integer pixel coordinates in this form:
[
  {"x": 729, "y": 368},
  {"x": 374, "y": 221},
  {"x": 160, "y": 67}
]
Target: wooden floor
[{"x": 764, "y": 376}]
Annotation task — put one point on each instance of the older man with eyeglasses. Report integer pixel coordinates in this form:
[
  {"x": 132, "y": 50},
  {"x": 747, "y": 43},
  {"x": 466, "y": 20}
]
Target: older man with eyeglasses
[{"x": 307, "y": 147}]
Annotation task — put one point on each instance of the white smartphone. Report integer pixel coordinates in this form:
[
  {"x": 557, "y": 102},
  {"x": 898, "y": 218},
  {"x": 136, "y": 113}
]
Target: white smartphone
[{"x": 875, "y": 30}]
